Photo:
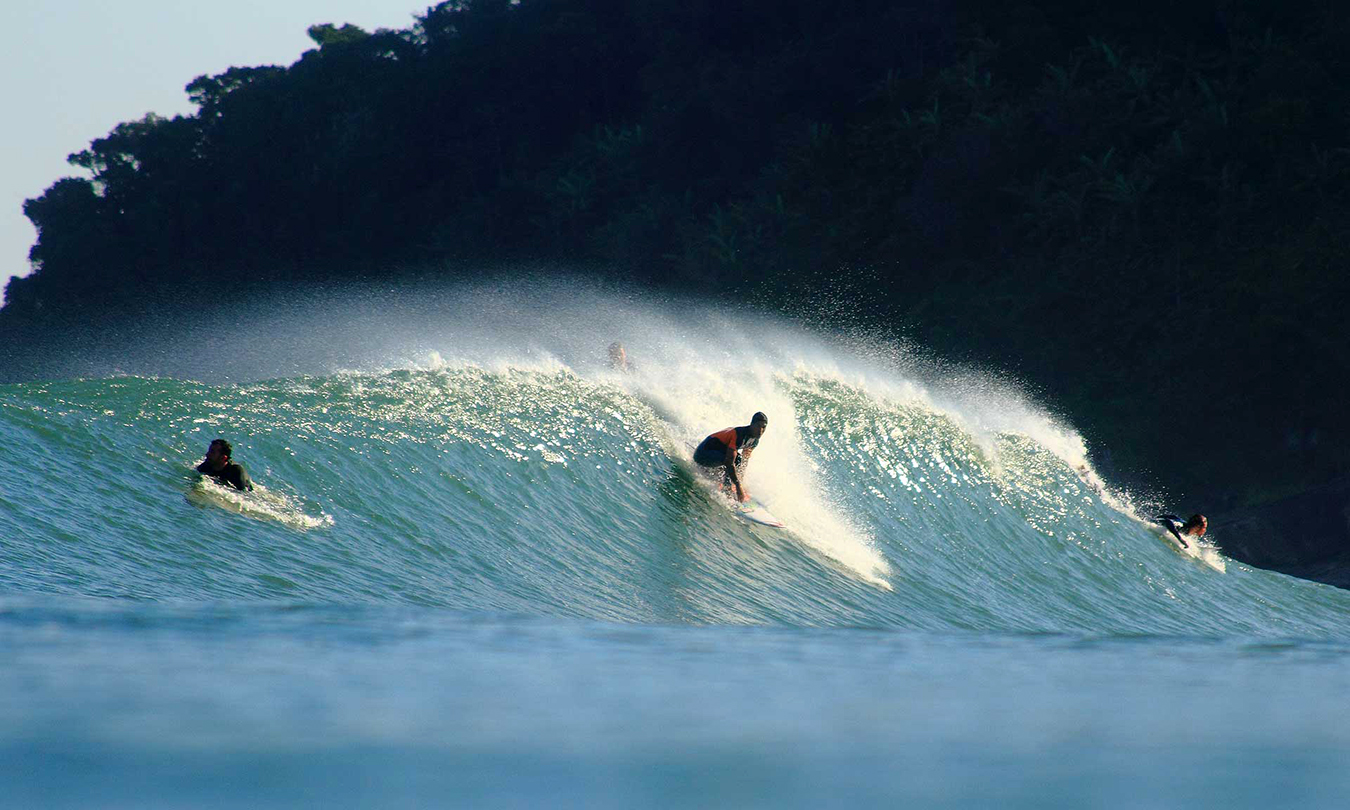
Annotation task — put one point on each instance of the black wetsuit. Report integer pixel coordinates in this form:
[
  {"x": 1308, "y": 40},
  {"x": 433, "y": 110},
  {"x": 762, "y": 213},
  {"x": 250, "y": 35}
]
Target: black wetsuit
[
  {"x": 231, "y": 475},
  {"x": 1174, "y": 525}
]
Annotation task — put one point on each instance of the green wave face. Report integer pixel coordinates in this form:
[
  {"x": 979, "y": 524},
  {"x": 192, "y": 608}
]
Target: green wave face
[{"x": 541, "y": 488}]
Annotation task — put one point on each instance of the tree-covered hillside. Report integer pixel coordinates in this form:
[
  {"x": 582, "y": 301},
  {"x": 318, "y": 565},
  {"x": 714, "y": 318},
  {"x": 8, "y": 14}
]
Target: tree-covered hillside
[{"x": 1139, "y": 208}]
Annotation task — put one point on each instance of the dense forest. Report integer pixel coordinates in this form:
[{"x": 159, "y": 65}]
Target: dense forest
[{"x": 1140, "y": 209}]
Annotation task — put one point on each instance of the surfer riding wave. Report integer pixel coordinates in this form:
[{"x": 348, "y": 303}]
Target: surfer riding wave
[{"x": 731, "y": 449}]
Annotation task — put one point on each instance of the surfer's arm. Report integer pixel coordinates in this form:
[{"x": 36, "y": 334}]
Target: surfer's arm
[
  {"x": 1169, "y": 522},
  {"x": 242, "y": 481},
  {"x": 735, "y": 476}
]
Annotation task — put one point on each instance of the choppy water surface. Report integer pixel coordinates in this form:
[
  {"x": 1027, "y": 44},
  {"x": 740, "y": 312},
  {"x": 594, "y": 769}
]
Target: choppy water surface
[{"x": 481, "y": 570}]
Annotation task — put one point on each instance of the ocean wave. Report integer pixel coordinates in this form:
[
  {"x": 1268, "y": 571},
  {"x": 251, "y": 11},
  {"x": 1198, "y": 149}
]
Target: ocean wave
[{"x": 550, "y": 484}]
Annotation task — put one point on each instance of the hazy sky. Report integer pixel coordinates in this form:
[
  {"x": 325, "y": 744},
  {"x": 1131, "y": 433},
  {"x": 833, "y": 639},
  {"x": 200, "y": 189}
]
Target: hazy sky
[{"x": 71, "y": 71}]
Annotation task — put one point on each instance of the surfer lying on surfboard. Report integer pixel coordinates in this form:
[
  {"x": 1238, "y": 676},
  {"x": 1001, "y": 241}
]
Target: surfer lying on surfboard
[
  {"x": 730, "y": 449},
  {"x": 220, "y": 466},
  {"x": 1194, "y": 527}
]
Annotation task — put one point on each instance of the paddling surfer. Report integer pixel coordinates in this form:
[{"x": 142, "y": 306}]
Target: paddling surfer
[
  {"x": 1194, "y": 527},
  {"x": 730, "y": 449},
  {"x": 219, "y": 466}
]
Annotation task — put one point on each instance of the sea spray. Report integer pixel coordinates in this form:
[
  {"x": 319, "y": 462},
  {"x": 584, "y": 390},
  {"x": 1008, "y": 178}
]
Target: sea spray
[{"x": 516, "y": 472}]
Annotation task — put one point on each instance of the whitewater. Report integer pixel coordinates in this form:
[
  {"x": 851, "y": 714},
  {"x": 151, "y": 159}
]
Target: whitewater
[{"x": 481, "y": 569}]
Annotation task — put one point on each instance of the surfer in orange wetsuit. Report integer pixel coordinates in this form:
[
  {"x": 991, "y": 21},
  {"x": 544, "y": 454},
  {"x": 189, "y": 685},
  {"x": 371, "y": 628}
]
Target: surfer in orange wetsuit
[{"x": 731, "y": 449}]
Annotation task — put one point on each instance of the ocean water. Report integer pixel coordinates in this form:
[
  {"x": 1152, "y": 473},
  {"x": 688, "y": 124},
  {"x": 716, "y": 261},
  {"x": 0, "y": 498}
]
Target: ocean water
[{"x": 481, "y": 571}]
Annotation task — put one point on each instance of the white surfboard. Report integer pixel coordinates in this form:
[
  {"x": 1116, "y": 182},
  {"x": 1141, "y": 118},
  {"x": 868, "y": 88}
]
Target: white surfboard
[{"x": 755, "y": 512}]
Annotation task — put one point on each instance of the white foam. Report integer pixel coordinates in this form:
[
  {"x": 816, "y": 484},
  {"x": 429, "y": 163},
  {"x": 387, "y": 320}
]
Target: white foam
[
  {"x": 699, "y": 366},
  {"x": 260, "y": 504},
  {"x": 780, "y": 475}
]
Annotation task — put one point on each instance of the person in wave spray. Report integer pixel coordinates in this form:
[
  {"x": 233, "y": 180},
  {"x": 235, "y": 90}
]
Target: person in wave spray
[
  {"x": 730, "y": 449},
  {"x": 618, "y": 357},
  {"x": 219, "y": 466},
  {"x": 1194, "y": 527}
]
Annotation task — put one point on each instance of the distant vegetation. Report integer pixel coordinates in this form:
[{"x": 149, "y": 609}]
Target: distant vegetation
[{"x": 1140, "y": 209}]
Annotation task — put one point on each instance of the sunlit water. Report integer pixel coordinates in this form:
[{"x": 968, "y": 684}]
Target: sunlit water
[{"x": 482, "y": 570}]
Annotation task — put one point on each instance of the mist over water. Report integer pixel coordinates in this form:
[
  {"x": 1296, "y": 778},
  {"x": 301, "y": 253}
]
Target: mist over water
[{"x": 478, "y": 549}]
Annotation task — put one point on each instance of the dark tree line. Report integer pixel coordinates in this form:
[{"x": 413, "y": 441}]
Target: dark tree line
[{"x": 1139, "y": 208}]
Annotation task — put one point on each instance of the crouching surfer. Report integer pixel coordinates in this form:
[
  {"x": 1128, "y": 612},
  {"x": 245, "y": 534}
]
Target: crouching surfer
[
  {"x": 1194, "y": 527},
  {"x": 219, "y": 466},
  {"x": 730, "y": 450}
]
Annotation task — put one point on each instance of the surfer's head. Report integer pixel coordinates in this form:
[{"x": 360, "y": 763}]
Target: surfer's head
[
  {"x": 1195, "y": 525},
  {"x": 758, "y": 424},
  {"x": 218, "y": 453}
]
